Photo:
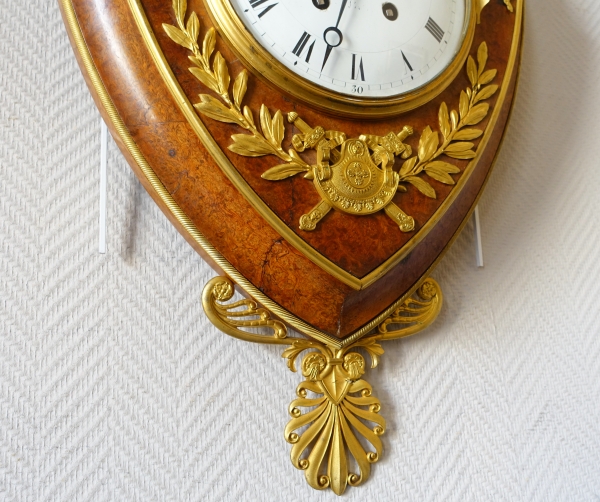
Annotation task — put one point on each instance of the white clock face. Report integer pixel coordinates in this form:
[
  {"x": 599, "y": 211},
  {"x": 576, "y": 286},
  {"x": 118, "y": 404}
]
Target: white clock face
[{"x": 365, "y": 48}]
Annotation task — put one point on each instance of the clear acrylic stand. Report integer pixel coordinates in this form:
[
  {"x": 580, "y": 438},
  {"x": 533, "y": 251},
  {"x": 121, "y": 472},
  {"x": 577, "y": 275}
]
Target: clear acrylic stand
[{"x": 103, "y": 176}]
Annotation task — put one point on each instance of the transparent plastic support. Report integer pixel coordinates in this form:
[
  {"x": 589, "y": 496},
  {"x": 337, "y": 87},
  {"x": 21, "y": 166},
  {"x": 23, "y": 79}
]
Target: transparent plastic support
[
  {"x": 103, "y": 190},
  {"x": 478, "y": 244}
]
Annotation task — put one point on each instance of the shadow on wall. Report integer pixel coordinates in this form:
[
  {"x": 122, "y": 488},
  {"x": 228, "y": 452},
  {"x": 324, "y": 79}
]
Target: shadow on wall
[{"x": 130, "y": 229}]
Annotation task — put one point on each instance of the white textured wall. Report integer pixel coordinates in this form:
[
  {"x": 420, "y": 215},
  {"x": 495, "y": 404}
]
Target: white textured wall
[{"x": 113, "y": 386}]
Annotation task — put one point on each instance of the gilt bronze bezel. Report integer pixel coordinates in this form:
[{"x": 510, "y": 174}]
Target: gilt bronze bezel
[{"x": 258, "y": 60}]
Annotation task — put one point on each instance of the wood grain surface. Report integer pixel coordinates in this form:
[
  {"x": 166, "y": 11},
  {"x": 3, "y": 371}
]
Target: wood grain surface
[{"x": 358, "y": 244}]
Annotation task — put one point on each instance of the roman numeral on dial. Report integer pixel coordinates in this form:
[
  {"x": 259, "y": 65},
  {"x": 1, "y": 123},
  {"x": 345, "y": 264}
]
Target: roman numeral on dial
[
  {"x": 358, "y": 71},
  {"x": 434, "y": 28},
  {"x": 301, "y": 44},
  {"x": 408, "y": 65},
  {"x": 257, "y": 3}
]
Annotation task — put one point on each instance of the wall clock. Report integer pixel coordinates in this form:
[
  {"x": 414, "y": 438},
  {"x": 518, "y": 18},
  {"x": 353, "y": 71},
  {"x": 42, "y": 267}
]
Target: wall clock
[{"x": 321, "y": 155}]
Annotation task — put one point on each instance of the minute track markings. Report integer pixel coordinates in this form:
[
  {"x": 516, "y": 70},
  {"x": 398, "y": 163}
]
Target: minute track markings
[{"x": 324, "y": 56}]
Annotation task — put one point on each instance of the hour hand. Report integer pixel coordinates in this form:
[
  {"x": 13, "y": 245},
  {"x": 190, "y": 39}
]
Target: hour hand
[
  {"x": 333, "y": 38},
  {"x": 327, "y": 53}
]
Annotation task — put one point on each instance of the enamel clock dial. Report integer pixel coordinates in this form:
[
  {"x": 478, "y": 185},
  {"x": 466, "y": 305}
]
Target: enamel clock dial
[
  {"x": 351, "y": 57},
  {"x": 359, "y": 47}
]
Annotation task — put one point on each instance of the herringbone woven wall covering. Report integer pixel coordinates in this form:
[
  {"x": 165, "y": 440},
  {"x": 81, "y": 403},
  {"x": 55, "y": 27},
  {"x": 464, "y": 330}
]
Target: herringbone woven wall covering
[{"x": 113, "y": 385}]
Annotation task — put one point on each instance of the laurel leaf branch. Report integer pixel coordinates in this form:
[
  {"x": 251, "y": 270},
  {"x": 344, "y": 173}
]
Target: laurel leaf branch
[
  {"x": 455, "y": 129},
  {"x": 211, "y": 69}
]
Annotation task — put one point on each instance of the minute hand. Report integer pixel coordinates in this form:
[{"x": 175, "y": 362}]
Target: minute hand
[
  {"x": 344, "y": 2},
  {"x": 335, "y": 30}
]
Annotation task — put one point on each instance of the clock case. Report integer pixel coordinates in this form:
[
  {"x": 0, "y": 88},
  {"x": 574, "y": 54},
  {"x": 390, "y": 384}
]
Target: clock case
[
  {"x": 335, "y": 283},
  {"x": 354, "y": 280}
]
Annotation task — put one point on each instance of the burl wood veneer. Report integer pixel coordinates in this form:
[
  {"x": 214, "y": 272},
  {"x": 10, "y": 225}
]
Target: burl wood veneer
[{"x": 358, "y": 244}]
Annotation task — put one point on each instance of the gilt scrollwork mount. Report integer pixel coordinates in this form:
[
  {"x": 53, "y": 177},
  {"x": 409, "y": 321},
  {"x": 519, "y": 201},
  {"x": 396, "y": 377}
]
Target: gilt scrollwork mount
[{"x": 334, "y": 407}]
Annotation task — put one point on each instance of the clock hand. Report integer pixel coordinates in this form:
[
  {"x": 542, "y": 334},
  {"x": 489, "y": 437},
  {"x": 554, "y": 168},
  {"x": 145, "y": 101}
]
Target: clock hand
[
  {"x": 344, "y": 2},
  {"x": 327, "y": 53},
  {"x": 333, "y": 38},
  {"x": 331, "y": 43}
]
